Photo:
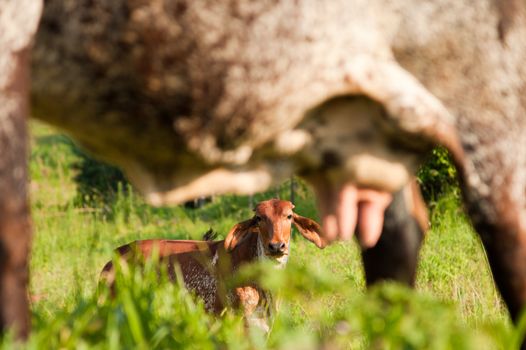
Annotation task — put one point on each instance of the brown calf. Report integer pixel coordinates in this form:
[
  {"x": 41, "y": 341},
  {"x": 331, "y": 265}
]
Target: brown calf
[{"x": 205, "y": 265}]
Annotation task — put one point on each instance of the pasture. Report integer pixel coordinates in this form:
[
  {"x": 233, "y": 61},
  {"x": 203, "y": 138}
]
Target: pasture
[{"x": 323, "y": 304}]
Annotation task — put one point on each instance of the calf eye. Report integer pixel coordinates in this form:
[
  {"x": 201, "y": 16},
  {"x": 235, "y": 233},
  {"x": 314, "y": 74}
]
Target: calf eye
[
  {"x": 289, "y": 216},
  {"x": 258, "y": 218}
]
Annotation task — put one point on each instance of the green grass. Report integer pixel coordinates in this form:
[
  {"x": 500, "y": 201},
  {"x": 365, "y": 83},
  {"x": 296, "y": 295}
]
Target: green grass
[{"x": 455, "y": 305}]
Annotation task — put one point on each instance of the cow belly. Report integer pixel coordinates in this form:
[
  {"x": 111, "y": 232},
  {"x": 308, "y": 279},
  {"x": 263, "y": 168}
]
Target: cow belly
[{"x": 211, "y": 78}]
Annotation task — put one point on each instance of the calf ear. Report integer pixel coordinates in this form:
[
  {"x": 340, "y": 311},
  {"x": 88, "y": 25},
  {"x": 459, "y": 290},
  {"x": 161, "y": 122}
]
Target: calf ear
[
  {"x": 239, "y": 233},
  {"x": 309, "y": 229}
]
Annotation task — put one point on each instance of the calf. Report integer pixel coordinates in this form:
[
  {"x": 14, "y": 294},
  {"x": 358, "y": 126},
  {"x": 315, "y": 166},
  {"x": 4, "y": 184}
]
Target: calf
[{"x": 205, "y": 265}]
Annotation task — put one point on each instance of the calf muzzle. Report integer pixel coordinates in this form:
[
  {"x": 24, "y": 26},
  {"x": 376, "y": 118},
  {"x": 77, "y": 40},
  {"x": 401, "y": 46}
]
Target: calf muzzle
[{"x": 277, "y": 249}]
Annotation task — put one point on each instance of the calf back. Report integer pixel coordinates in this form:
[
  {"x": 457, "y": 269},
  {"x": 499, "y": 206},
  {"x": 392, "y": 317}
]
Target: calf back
[{"x": 204, "y": 267}]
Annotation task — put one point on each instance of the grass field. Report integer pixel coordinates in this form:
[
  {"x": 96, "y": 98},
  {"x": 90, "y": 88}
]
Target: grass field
[{"x": 455, "y": 305}]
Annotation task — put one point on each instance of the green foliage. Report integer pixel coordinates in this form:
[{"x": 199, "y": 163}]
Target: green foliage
[
  {"x": 149, "y": 312},
  {"x": 97, "y": 182},
  {"x": 146, "y": 312},
  {"x": 438, "y": 175},
  {"x": 389, "y": 316}
]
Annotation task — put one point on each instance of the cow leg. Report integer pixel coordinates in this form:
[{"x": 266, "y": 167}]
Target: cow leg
[
  {"x": 505, "y": 246},
  {"x": 506, "y": 251},
  {"x": 15, "y": 232},
  {"x": 395, "y": 255}
]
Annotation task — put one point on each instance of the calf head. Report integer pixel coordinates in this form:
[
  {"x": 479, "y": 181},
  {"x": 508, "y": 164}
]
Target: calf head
[{"x": 272, "y": 221}]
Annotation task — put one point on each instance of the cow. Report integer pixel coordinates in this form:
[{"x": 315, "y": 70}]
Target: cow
[
  {"x": 192, "y": 98},
  {"x": 206, "y": 266}
]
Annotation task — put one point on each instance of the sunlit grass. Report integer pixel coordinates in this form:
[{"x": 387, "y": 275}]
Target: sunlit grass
[{"x": 455, "y": 305}]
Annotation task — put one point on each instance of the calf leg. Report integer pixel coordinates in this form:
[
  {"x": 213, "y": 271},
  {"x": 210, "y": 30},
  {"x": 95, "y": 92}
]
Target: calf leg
[
  {"x": 395, "y": 255},
  {"x": 255, "y": 306},
  {"x": 14, "y": 211}
]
